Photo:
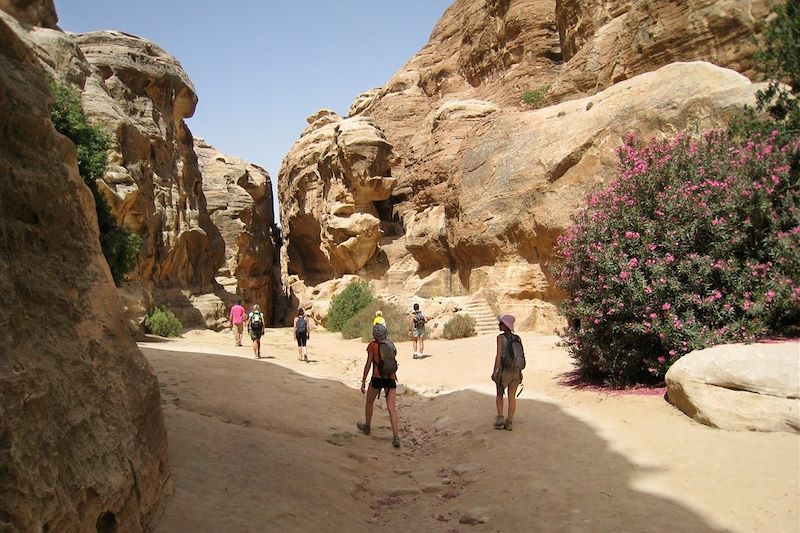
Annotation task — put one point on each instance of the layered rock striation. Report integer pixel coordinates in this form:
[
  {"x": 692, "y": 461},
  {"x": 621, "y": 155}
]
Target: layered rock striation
[
  {"x": 481, "y": 184},
  {"x": 83, "y": 445}
]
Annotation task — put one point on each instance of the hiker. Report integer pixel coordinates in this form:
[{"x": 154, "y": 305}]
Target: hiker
[
  {"x": 237, "y": 321},
  {"x": 382, "y": 357},
  {"x": 255, "y": 326},
  {"x": 302, "y": 333},
  {"x": 417, "y": 330},
  {"x": 505, "y": 374},
  {"x": 378, "y": 318}
]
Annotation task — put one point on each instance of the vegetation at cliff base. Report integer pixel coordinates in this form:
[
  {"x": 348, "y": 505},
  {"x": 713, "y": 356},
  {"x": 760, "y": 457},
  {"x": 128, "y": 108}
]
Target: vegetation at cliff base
[
  {"x": 356, "y": 296},
  {"x": 459, "y": 326},
  {"x": 163, "y": 322},
  {"x": 360, "y": 325},
  {"x": 120, "y": 246}
]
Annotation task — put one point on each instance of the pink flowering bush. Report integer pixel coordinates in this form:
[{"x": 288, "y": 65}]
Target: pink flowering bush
[{"x": 697, "y": 243}]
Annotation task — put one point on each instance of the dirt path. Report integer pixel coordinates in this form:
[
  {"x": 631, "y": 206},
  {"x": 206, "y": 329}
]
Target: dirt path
[{"x": 271, "y": 444}]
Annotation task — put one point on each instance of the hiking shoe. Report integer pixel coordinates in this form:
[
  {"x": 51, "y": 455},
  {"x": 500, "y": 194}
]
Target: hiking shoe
[
  {"x": 509, "y": 426},
  {"x": 396, "y": 441},
  {"x": 364, "y": 428},
  {"x": 414, "y": 356},
  {"x": 499, "y": 422}
]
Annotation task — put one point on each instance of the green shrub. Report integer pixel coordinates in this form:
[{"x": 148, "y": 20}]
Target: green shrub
[
  {"x": 535, "y": 98},
  {"x": 778, "y": 62},
  {"x": 120, "y": 246},
  {"x": 347, "y": 303},
  {"x": 459, "y": 326},
  {"x": 696, "y": 244},
  {"x": 163, "y": 322},
  {"x": 360, "y": 325}
]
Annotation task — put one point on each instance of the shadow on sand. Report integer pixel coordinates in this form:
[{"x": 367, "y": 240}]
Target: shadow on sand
[{"x": 257, "y": 447}]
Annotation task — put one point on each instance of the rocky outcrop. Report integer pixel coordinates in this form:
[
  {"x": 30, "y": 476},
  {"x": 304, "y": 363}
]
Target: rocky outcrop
[
  {"x": 752, "y": 387},
  {"x": 239, "y": 201},
  {"x": 82, "y": 440},
  {"x": 483, "y": 185},
  {"x": 155, "y": 183},
  {"x": 606, "y": 42}
]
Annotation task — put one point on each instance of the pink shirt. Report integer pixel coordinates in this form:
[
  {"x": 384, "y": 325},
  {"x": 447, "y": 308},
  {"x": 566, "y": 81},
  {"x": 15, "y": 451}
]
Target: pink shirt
[{"x": 237, "y": 314}]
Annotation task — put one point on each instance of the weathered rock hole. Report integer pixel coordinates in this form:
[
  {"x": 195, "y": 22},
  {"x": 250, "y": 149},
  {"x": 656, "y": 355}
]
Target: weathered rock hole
[{"x": 106, "y": 523}]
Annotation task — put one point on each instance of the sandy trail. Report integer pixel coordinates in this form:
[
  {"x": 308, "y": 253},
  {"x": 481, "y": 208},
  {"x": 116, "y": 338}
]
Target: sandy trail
[{"x": 271, "y": 445}]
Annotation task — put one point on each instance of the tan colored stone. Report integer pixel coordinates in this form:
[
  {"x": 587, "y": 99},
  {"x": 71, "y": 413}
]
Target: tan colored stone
[
  {"x": 81, "y": 427},
  {"x": 753, "y": 387},
  {"x": 34, "y": 12}
]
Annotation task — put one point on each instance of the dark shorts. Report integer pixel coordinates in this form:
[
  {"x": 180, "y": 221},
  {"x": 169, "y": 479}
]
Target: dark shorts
[
  {"x": 383, "y": 383},
  {"x": 302, "y": 338},
  {"x": 254, "y": 335}
]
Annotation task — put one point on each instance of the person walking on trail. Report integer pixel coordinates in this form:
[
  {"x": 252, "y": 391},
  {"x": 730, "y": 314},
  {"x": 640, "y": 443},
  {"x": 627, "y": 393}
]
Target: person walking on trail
[
  {"x": 507, "y": 373},
  {"x": 255, "y": 327},
  {"x": 382, "y": 359},
  {"x": 237, "y": 321},
  {"x": 302, "y": 333},
  {"x": 417, "y": 330}
]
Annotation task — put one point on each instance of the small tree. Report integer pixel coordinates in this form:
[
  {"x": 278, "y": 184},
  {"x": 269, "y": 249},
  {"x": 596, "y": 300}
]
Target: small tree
[
  {"x": 459, "y": 326},
  {"x": 120, "y": 246},
  {"x": 163, "y": 322},
  {"x": 535, "y": 98},
  {"x": 347, "y": 303}
]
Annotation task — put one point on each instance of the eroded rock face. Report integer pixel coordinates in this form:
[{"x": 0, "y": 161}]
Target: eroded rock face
[
  {"x": 34, "y": 12},
  {"x": 483, "y": 185},
  {"x": 607, "y": 42},
  {"x": 82, "y": 438},
  {"x": 155, "y": 183},
  {"x": 335, "y": 178},
  {"x": 239, "y": 201},
  {"x": 752, "y": 387}
]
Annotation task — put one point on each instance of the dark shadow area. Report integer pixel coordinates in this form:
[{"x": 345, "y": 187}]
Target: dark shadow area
[
  {"x": 423, "y": 356},
  {"x": 258, "y": 447}
]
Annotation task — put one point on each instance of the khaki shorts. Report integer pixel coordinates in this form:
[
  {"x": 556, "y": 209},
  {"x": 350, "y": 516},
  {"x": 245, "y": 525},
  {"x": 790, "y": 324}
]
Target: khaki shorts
[
  {"x": 239, "y": 327},
  {"x": 510, "y": 378}
]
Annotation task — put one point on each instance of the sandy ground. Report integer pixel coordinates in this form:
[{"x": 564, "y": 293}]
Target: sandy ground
[{"x": 271, "y": 445}]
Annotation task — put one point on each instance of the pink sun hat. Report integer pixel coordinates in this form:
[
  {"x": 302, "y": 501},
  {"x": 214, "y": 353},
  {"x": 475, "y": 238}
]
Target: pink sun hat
[{"x": 508, "y": 320}]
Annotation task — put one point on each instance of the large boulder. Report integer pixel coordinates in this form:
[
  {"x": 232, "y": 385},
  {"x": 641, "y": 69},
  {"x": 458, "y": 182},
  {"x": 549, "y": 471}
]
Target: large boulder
[
  {"x": 83, "y": 445},
  {"x": 752, "y": 387}
]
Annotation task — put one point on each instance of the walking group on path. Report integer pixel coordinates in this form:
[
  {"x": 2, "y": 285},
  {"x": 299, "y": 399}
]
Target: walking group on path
[{"x": 381, "y": 364}]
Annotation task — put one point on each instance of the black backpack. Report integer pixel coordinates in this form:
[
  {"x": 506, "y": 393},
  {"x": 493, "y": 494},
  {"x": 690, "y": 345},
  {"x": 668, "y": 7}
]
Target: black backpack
[
  {"x": 419, "y": 319},
  {"x": 302, "y": 324},
  {"x": 257, "y": 323},
  {"x": 388, "y": 363},
  {"x": 513, "y": 356}
]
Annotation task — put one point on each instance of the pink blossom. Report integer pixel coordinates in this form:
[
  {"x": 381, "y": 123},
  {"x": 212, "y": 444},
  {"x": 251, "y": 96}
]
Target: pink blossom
[
  {"x": 669, "y": 258},
  {"x": 666, "y": 306},
  {"x": 653, "y": 315},
  {"x": 633, "y": 263},
  {"x": 624, "y": 275},
  {"x": 662, "y": 359}
]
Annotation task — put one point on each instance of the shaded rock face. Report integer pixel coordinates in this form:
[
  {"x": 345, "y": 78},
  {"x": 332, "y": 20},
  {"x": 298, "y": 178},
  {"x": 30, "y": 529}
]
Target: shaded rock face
[
  {"x": 752, "y": 387},
  {"x": 239, "y": 202},
  {"x": 34, "y": 12},
  {"x": 155, "y": 183},
  {"x": 482, "y": 186},
  {"x": 82, "y": 438}
]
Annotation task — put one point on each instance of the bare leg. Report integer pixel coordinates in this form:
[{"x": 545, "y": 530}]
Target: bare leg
[
  {"x": 372, "y": 393},
  {"x": 414, "y": 341},
  {"x": 391, "y": 406},
  {"x": 512, "y": 402},
  {"x": 499, "y": 400},
  {"x": 299, "y": 352},
  {"x": 421, "y": 344},
  {"x": 257, "y": 347}
]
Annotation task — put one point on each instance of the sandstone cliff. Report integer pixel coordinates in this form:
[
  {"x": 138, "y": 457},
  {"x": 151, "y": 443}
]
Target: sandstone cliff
[
  {"x": 82, "y": 440},
  {"x": 156, "y": 185},
  {"x": 474, "y": 186}
]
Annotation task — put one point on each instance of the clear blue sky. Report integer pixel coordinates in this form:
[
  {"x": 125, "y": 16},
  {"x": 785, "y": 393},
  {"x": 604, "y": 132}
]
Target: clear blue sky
[{"x": 260, "y": 67}]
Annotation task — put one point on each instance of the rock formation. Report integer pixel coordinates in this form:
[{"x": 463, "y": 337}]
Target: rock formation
[
  {"x": 481, "y": 185},
  {"x": 82, "y": 440},
  {"x": 155, "y": 184},
  {"x": 740, "y": 387}
]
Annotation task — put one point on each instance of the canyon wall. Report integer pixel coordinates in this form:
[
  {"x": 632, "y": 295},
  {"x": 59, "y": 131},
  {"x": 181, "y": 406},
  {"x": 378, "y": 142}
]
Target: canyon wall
[
  {"x": 83, "y": 445},
  {"x": 468, "y": 187}
]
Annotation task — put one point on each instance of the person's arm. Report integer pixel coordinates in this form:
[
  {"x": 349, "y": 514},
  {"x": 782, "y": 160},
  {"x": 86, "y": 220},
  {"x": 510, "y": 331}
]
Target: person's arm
[
  {"x": 367, "y": 367},
  {"x": 497, "y": 369}
]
